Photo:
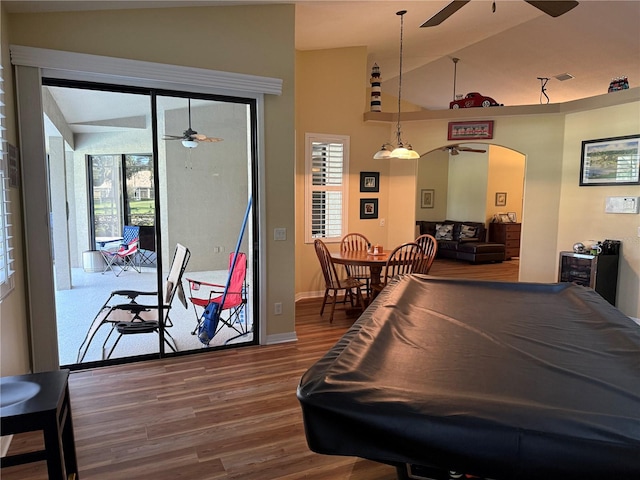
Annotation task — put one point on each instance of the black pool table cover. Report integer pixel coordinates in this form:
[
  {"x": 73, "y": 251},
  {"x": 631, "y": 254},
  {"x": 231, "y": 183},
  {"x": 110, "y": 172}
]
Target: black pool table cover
[{"x": 503, "y": 380}]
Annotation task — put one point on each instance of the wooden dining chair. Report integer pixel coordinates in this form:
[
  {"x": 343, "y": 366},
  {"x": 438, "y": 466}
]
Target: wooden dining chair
[
  {"x": 334, "y": 285},
  {"x": 353, "y": 242},
  {"x": 430, "y": 246},
  {"x": 403, "y": 260}
]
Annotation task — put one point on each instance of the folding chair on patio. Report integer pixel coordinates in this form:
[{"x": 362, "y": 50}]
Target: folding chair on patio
[
  {"x": 133, "y": 317},
  {"x": 125, "y": 256},
  {"x": 235, "y": 302}
]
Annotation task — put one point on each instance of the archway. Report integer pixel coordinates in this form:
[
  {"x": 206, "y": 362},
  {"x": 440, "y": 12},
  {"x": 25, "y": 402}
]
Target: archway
[{"x": 472, "y": 182}]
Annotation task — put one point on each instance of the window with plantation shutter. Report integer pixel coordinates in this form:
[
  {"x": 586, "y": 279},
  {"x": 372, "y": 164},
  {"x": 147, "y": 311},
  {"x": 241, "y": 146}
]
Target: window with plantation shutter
[
  {"x": 6, "y": 240},
  {"x": 327, "y": 167}
]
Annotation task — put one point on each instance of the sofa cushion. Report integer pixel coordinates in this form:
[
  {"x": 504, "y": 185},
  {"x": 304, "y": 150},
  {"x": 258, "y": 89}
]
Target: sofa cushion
[
  {"x": 444, "y": 231},
  {"x": 468, "y": 232}
]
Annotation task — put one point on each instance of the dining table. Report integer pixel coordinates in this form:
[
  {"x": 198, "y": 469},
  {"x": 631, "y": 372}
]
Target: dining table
[{"x": 362, "y": 258}]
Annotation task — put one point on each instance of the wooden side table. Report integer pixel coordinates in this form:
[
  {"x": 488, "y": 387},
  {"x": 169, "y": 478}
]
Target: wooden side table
[
  {"x": 509, "y": 235},
  {"x": 40, "y": 401}
]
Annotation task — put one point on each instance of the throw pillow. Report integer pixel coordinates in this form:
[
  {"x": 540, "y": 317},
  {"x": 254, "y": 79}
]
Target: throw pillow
[
  {"x": 467, "y": 231},
  {"x": 444, "y": 232}
]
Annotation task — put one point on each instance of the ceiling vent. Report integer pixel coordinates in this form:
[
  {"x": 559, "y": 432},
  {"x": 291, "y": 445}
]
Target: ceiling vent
[{"x": 563, "y": 76}]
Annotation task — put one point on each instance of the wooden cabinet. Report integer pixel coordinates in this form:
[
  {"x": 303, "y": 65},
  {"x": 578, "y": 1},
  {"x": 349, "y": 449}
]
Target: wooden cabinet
[
  {"x": 599, "y": 272},
  {"x": 509, "y": 234}
]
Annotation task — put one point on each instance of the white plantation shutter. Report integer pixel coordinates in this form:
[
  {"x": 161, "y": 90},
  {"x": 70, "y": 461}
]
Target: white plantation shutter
[
  {"x": 326, "y": 189},
  {"x": 6, "y": 228}
]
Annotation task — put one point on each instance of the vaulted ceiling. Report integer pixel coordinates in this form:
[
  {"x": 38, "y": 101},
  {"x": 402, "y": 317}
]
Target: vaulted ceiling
[{"x": 501, "y": 54}]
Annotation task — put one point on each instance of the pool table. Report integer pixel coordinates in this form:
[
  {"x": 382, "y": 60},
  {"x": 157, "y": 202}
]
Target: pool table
[{"x": 508, "y": 381}]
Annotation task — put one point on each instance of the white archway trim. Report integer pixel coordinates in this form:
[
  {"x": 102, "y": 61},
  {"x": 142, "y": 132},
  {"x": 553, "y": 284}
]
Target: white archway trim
[{"x": 122, "y": 71}]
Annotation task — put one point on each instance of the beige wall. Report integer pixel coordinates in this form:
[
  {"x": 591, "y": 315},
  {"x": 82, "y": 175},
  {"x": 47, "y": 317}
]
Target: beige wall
[
  {"x": 14, "y": 337},
  {"x": 433, "y": 174},
  {"x": 327, "y": 82},
  {"x": 256, "y": 40}
]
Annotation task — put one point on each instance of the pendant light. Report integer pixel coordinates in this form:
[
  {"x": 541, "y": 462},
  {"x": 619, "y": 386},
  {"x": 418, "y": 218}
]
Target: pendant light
[{"x": 400, "y": 150}]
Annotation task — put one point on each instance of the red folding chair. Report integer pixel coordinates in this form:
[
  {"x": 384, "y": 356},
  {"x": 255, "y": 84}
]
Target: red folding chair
[{"x": 235, "y": 301}]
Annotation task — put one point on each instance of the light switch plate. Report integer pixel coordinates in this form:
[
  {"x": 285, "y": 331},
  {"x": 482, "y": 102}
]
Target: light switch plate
[
  {"x": 280, "y": 234},
  {"x": 622, "y": 205}
]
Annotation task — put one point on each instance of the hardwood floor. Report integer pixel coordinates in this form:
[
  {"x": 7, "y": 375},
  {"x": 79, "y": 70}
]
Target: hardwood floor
[{"x": 229, "y": 414}]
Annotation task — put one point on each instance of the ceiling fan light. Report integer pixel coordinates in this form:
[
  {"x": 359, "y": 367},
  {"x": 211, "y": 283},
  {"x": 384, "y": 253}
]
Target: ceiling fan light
[{"x": 190, "y": 143}]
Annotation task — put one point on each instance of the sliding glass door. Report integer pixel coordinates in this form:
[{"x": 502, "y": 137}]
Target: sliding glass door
[{"x": 181, "y": 169}]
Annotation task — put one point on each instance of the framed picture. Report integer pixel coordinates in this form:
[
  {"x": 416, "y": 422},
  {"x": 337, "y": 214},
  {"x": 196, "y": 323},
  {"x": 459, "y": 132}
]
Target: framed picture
[
  {"x": 368, "y": 208},
  {"x": 479, "y": 130},
  {"x": 369, "y": 181},
  {"x": 610, "y": 161},
  {"x": 512, "y": 217},
  {"x": 501, "y": 199},
  {"x": 504, "y": 218},
  {"x": 426, "y": 198}
]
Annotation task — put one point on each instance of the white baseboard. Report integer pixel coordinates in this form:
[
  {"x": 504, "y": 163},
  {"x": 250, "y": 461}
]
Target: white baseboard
[
  {"x": 5, "y": 442},
  {"x": 306, "y": 295},
  {"x": 281, "y": 338}
]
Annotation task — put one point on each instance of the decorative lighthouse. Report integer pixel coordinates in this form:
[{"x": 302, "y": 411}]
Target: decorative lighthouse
[{"x": 376, "y": 102}]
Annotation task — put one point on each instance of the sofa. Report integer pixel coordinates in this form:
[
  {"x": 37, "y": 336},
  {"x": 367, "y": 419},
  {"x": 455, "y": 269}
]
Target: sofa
[{"x": 462, "y": 240}]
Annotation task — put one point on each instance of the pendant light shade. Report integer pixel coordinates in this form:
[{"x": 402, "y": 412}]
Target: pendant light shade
[{"x": 400, "y": 150}]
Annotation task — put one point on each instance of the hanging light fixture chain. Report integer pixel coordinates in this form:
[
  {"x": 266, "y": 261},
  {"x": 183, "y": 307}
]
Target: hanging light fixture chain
[{"x": 400, "y": 150}]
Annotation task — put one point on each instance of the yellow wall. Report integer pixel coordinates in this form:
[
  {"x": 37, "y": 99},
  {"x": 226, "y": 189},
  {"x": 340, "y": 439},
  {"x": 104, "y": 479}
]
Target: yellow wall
[
  {"x": 506, "y": 174},
  {"x": 256, "y": 40},
  {"x": 550, "y": 143},
  {"x": 331, "y": 94},
  {"x": 582, "y": 214}
]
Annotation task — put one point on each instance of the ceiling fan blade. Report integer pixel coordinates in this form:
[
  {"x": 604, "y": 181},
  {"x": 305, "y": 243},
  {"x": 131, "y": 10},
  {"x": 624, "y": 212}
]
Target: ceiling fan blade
[
  {"x": 474, "y": 150},
  {"x": 208, "y": 139},
  {"x": 173, "y": 137},
  {"x": 449, "y": 10},
  {"x": 554, "y": 9}
]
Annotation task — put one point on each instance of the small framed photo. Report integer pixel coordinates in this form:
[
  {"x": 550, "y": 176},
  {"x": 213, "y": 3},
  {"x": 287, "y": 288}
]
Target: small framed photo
[
  {"x": 369, "y": 181},
  {"x": 504, "y": 218},
  {"x": 513, "y": 218},
  {"x": 479, "y": 130},
  {"x": 426, "y": 198},
  {"x": 368, "y": 208},
  {"x": 501, "y": 199},
  {"x": 610, "y": 161}
]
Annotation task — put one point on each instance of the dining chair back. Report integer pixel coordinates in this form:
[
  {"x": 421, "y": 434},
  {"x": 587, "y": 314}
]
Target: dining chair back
[
  {"x": 334, "y": 285},
  {"x": 353, "y": 242},
  {"x": 403, "y": 260},
  {"x": 430, "y": 246}
]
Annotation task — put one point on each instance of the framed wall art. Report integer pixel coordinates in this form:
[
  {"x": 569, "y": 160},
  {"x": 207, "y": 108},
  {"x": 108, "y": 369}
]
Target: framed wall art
[
  {"x": 501, "y": 199},
  {"x": 426, "y": 198},
  {"x": 610, "y": 161},
  {"x": 479, "y": 130},
  {"x": 368, "y": 208},
  {"x": 369, "y": 181}
]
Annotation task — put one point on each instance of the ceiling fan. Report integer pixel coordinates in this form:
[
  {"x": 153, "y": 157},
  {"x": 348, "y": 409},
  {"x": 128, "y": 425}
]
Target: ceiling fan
[
  {"x": 190, "y": 138},
  {"x": 456, "y": 149},
  {"x": 554, "y": 9}
]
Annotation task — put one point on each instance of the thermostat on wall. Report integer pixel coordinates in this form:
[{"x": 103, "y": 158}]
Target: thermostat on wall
[{"x": 622, "y": 205}]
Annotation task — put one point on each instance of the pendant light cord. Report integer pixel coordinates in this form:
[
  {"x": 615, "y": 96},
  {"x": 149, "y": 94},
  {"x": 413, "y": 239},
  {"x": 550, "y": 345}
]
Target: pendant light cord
[{"x": 398, "y": 134}]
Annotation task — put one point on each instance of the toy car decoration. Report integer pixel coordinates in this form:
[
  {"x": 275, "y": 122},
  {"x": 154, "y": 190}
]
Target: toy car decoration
[{"x": 474, "y": 99}]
